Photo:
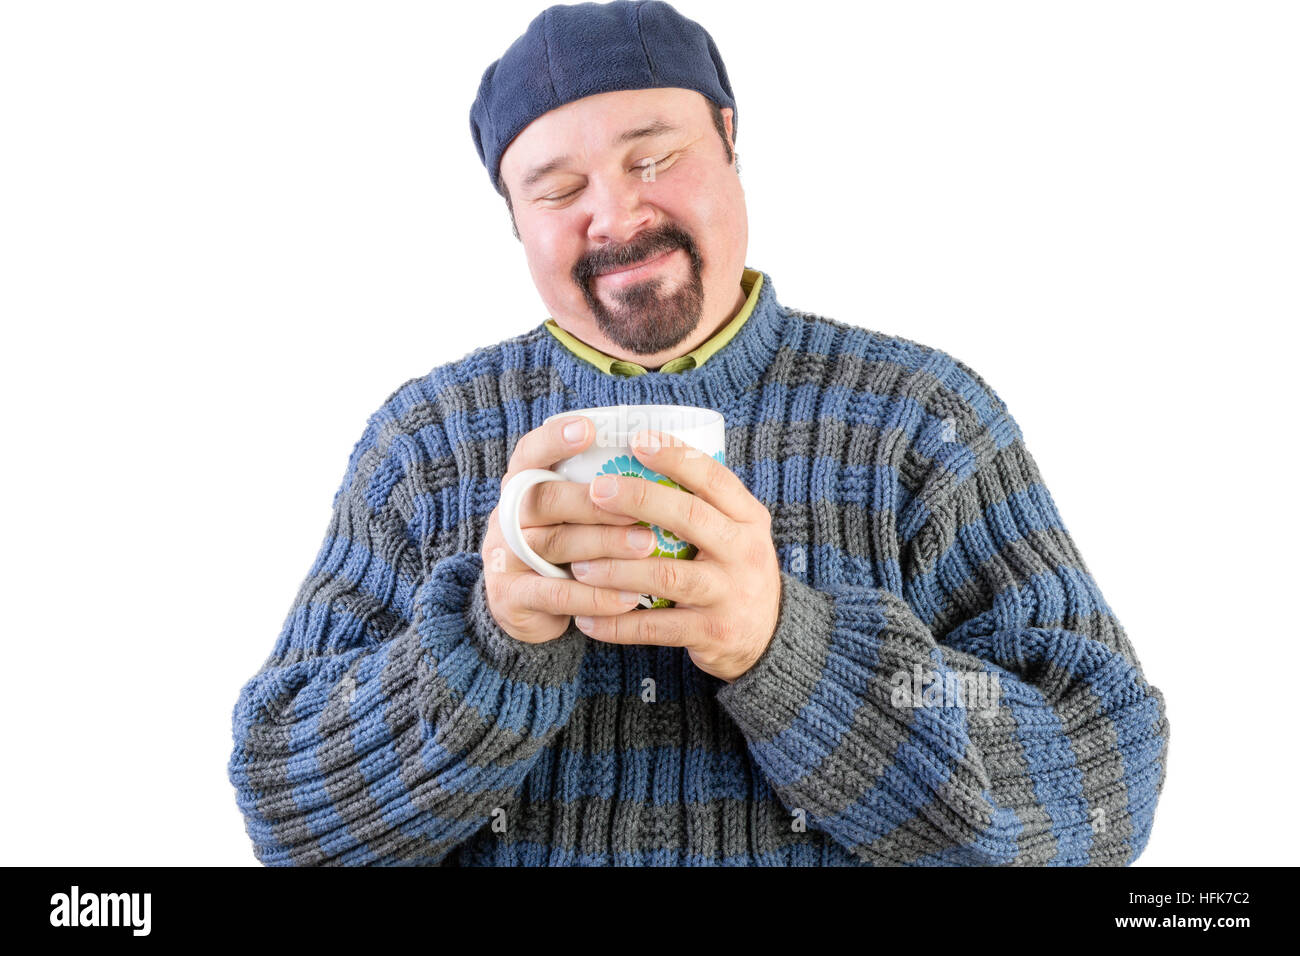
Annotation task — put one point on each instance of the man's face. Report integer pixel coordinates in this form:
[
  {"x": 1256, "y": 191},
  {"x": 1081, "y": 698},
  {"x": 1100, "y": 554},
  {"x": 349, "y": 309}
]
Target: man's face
[{"x": 642, "y": 177}]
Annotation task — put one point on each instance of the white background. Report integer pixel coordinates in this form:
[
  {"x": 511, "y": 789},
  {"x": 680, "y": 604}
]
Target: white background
[{"x": 229, "y": 230}]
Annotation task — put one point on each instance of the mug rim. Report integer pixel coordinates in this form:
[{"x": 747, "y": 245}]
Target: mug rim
[{"x": 705, "y": 416}]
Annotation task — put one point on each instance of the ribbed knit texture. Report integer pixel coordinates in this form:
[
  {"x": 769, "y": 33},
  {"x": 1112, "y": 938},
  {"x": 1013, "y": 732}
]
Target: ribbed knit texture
[{"x": 394, "y": 721}]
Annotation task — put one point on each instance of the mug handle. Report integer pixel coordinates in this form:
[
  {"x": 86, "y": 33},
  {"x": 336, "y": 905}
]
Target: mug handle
[{"x": 511, "y": 495}]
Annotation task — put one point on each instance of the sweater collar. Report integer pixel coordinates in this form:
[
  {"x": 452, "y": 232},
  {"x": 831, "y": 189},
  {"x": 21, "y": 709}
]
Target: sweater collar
[
  {"x": 733, "y": 369},
  {"x": 750, "y": 281}
]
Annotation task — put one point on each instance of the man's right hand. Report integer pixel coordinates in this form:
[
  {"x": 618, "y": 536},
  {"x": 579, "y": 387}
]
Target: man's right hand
[{"x": 561, "y": 524}]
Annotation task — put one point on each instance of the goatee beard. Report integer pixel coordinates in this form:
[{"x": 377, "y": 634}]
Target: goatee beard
[{"x": 646, "y": 321}]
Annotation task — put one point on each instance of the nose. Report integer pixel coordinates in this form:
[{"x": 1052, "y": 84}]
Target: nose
[{"x": 619, "y": 211}]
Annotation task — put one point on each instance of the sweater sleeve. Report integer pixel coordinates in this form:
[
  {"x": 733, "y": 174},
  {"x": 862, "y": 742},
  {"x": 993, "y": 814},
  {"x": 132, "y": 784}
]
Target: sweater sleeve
[
  {"x": 393, "y": 715},
  {"x": 984, "y": 708}
]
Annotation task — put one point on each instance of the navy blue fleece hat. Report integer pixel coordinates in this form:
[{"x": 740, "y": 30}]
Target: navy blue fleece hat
[{"x": 574, "y": 50}]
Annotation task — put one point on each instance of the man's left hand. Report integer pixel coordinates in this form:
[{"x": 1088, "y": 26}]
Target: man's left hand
[{"x": 728, "y": 598}]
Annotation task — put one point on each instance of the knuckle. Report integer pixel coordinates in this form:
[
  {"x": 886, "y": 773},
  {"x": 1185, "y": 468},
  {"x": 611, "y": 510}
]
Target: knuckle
[
  {"x": 718, "y": 630},
  {"x": 692, "y": 509},
  {"x": 657, "y": 631},
  {"x": 729, "y": 532},
  {"x": 544, "y": 539},
  {"x": 532, "y": 535},
  {"x": 550, "y": 496},
  {"x": 640, "y": 491},
  {"x": 666, "y": 575},
  {"x": 545, "y": 494},
  {"x": 522, "y": 591},
  {"x": 553, "y": 594},
  {"x": 696, "y": 513},
  {"x": 715, "y": 480},
  {"x": 512, "y": 616},
  {"x": 512, "y": 593},
  {"x": 650, "y": 632},
  {"x": 553, "y": 540}
]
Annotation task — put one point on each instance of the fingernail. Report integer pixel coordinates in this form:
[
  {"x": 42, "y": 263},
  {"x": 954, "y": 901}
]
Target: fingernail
[
  {"x": 604, "y": 486},
  {"x": 647, "y": 442},
  {"x": 583, "y": 623},
  {"x": 629, "y": 597},
  {"x": 639, "y": 538},
  {"x": 580, "y": 567},
  {"x": 575, "y": 431}
]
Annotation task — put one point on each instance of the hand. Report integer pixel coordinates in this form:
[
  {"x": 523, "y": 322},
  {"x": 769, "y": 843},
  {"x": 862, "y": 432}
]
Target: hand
[
  {"x": 561, "y": 524},
  {"x": 727, "y": 598}
]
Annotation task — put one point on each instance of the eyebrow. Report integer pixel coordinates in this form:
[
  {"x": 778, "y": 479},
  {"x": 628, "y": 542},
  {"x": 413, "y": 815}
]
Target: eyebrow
[{"x": 655, "y": 127}]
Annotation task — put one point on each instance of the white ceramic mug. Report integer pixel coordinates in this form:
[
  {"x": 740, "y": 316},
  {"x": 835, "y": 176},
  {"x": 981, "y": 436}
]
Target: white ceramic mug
[{"x": 610, "y": 454}]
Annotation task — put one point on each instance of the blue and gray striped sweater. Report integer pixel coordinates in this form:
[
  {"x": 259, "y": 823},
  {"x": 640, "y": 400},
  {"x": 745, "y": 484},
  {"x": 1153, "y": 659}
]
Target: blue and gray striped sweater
[{"x": 394, "y": 722}]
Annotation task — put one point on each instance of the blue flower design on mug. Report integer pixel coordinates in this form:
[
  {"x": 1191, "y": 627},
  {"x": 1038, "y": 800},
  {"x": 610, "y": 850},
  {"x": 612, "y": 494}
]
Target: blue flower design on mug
[{"x": 667, "y": 544}]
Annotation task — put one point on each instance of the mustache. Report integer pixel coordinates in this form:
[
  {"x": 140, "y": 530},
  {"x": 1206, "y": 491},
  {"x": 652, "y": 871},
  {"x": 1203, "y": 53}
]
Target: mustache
[{"x": 652, "y": 247}]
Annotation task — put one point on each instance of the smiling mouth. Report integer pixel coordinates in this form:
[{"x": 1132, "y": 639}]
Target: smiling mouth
[{"x": 652, "y": 260}]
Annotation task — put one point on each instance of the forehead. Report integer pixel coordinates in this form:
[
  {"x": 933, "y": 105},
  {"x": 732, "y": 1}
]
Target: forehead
[{"x": 591, "y": 127}]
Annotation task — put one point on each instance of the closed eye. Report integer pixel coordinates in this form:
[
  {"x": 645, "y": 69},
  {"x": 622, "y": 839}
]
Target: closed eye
[
  {"x": 639, "y": 168},
  {"x": 658, "y": 164}
]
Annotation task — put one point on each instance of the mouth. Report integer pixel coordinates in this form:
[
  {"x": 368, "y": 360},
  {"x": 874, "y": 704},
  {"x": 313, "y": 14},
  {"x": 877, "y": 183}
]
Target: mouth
[{"x": 620, "y": 275}]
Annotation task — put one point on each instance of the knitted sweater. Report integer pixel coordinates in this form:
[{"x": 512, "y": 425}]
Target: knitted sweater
[{"x": 395, "y": 722}]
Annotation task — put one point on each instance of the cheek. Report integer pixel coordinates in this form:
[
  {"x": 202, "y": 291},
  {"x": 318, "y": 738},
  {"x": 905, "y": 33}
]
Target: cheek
[
  {"x": 697, "y": 200},
  {"x": 552, "y": 243},
  {"x": 552, "y": 249}
]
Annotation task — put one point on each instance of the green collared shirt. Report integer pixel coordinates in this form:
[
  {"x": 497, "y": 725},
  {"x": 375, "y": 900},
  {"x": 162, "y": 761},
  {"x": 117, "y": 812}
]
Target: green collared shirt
[{"x": 750, "y": 281}]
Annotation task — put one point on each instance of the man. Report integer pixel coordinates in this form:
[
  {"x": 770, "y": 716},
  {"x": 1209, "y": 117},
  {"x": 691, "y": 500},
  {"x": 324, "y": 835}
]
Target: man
[{"x": 887, "y": 651}]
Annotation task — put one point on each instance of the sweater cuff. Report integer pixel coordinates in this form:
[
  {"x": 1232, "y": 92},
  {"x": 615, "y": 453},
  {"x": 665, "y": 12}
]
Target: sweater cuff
[
  {"x": 772, "y": 692},
  {"x": 549, "y": 662}
]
